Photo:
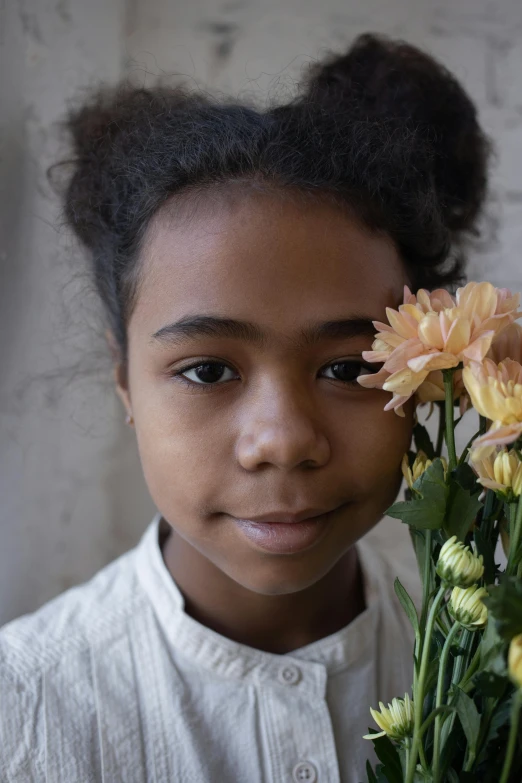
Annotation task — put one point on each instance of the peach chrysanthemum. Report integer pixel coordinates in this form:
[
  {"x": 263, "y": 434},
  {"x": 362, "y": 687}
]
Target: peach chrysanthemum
[
  {"x": 496, "y": 393},
  {"x": 433, "y": 331},
  {"x": 508, "y": 345}
]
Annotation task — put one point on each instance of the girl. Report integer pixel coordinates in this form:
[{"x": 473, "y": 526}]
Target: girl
[{"x": 241, "y": 257}]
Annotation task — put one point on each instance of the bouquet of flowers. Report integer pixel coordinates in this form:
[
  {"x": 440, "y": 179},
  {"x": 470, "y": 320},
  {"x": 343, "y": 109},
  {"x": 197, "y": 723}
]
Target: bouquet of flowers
[{"x": 461, "y": 722}]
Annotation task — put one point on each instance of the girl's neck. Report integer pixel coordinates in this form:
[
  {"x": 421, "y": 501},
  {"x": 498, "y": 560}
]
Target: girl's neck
[{"x": 273, "y": 623}]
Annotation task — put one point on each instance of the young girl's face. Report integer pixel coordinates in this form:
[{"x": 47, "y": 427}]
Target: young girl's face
[{"x": 244, "y": 417}]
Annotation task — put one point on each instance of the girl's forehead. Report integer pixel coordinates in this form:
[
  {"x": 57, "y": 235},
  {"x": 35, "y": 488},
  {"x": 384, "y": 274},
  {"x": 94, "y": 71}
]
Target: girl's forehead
[{"x": 266, "y": 256}]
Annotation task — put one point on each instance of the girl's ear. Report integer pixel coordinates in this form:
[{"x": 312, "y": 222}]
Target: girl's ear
[{"x": 119, "y": 371}]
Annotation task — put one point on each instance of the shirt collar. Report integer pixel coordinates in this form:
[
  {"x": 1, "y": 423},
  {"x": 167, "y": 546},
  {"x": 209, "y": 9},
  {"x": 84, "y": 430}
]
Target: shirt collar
[{"x": 307, "y": 668}]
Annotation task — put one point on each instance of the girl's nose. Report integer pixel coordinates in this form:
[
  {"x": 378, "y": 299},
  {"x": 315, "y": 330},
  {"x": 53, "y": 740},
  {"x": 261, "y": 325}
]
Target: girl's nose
[{"x": 281, "y": 430}]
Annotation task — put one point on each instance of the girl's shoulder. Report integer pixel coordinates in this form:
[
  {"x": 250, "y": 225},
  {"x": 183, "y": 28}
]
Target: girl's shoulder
[
  {"x": 50, "y": 653},
  {"x": 79, "y": 617}
]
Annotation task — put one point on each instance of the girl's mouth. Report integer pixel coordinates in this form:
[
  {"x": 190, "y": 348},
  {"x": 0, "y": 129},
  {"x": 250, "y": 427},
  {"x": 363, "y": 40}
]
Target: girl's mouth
[{"x": 286, "y": 538}]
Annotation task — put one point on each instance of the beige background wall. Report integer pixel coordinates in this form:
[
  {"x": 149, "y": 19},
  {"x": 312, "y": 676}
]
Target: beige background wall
[{"x": 71, "y": 492}]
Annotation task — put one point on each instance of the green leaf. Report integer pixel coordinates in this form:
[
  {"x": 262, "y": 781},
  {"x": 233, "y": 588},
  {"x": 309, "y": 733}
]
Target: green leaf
[
  {"x": 387, "y": 754},
  {"x": 431, "y": 717},
  {"x": 491, "y": 645},
  {"x": 381, "y": 777},
  {"x": 466, "y": 477},
  {"x": 404, "y": 760},
  {"x": 451, "y": 749},
  {"x": 431, "y": 484},
  {"x": 461, "y": 510},
  {"x": 417, "y": 513},
  {"x": 485, "y": 549},
  {"x": 423, "y": 441},
  {"x": 432, "y": 671},
  {"x": 469, "y": 717},
  {"x": 408, "y": 605},
  {"x": 418, "y": 539},
  {"x": 370, "y": 773},
  {"x": 501, "y": 716},
  {"x": 505, "y": 606},
  {"x": 427, "y": 510},
  {"x": 491, "y": 684}
]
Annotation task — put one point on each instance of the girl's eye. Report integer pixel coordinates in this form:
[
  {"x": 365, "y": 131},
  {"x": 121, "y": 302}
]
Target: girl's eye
[
  {"x": 208, "y": 374},
  {"x": 205, "y": 374},
  {"x": 349, "y": 371}
]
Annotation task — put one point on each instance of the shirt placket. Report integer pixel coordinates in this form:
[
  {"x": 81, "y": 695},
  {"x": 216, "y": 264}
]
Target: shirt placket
[{"x": 296, "y": 724}]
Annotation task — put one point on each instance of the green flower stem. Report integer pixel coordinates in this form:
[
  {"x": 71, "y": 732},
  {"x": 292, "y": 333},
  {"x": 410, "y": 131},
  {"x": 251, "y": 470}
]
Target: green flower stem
[
  {"x": 418, "y": 696},
  {"x": 489, "y": 514},
  {"x": 472, "y": 668},
  {"x": 515, "y": 714},
  {"x": 467, "y": 447},
  {"x": 450, "y": 427},
  {"x": 442, "y": 625},
  {"x": 515, "y": 538},
  {"x": 459, "y": 665},
  {"x": 438, "y": 703},
  {"x": 426, "y": 578},
  {"x": 422, "y": 757}
]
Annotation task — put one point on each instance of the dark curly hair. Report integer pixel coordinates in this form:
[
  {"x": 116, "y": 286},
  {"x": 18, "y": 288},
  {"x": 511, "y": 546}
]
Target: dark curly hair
[{"x": 383, "y": 130}]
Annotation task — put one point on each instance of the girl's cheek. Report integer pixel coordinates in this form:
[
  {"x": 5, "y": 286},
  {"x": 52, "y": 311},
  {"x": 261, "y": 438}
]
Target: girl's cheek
[{"x": 378, "y": 443}]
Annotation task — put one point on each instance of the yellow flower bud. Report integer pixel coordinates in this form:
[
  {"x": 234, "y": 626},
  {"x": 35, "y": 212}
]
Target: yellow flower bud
[
  {"x": 420, "y": 464},
  {"x": 500, "y": 471},
  {"x": 516, "y": 484},
  {"x": 515, "y": 660},
  {"x": 457, "y": 564},
  {"x": 466, "y": 606},
  {"x": 396, "y": 720}
]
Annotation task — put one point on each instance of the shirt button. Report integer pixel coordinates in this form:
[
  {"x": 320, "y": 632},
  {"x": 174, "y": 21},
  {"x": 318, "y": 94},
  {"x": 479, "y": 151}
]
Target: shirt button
[
  {"x": 289, "y": 675},
  {"x": 305, "y": 770}
]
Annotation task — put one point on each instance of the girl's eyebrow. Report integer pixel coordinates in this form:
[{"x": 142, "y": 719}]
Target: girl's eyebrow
[{"x": 192, "y": 326}]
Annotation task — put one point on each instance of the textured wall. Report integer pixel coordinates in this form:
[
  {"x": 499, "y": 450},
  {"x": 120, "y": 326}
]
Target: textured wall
[
  {"x": 72, "y": 494},
  {"x": 67, "y": 465}
]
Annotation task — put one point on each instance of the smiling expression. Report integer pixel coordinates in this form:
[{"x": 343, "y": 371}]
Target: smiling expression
[{"x": 244, "y": 347}]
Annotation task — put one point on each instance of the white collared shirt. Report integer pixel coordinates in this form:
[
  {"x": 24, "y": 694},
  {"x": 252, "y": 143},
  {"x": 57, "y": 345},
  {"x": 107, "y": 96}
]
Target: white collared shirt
[{"x": 113, "y": 681}]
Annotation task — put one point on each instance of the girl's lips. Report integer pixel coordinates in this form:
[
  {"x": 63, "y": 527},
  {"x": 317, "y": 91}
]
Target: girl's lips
[{"x": 285, "y": 538}]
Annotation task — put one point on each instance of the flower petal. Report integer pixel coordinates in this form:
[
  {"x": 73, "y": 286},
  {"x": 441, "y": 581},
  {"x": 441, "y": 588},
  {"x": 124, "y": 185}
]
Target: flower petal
[
  {"x": 433, "y": 361},
  {"x": 430, "y": 333},
  {"x": 458, "y": 336},
  {"x": 507, "y": 344},
  {"x": 401, "y": 324},
  {"x": 441, "y": 300},
  {"x": 477, "y": 299},
  {"x": 373, "y": 380},
  {"x": 404, "y": 382},
  {"x": 497, "y": 435},
  {"x": 399, "y": 358},
  {"x": 477, "y": 350},
  {"x": 396, "y": 403}
]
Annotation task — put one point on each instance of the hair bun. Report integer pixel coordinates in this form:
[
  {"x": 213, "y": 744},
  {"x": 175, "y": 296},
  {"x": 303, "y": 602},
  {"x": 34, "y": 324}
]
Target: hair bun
[
  {"x": 111, "y": 130},
  {"x": 393, "y": 82}
]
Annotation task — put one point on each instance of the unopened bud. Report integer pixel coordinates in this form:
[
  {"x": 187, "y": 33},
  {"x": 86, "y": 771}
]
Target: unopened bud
[
  {"x": 420, "y": 464},
  {"x": 515, "y": 660},
  {"x": 466, "y": 606},
  {"x": 457, "y": 564}
]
